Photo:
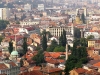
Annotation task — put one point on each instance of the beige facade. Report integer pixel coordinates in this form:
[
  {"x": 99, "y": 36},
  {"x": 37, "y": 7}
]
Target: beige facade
[
  {"x": 4, "y": 13},
  {"x": 57, "y": 31}
]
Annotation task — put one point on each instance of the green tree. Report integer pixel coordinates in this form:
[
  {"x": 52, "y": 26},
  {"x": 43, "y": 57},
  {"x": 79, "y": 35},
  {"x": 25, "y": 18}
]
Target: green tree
[
  {"x": 44, "y": 42},
  {"x": 23, "y": 17},
  {"x": 90, "y": 37},
  {"x": 70, "y": 64},
  {"x": 62, "y": 39},
  {"x": 77, "y": 33},
  {"x": 83, "y": 42},
  {"x": 15, "y": 17},
  {"x": 52, "y": 46},
  {"x": 39, "y": 58},
  {"x": 1, "y": 38},
  {"x": 78, "y": 55},
  {"x": 10, "y": 48},
  {"x": 17, "y": 22},
  {"x": 83, "y": 18},
  {"x": 59, "y": 49},
  {"x": 3, "y": 24},
  {"x": 24, "y": 45},
  {"x": 41, "y": 15},
  {"x": 21, "y": 63}
]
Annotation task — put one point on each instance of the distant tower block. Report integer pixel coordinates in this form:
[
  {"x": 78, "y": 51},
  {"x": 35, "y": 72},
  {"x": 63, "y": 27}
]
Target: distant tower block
[{"x": 66, "y": 51}]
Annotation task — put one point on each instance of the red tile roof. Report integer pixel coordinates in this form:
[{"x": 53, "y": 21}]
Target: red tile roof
[
  {"x": 34, "y": 72},
  {"x": 52, "y": 70},
  {"x": 36, "y": 68},
  {"x": 3, "y": 66},
  {"x": 12, "y": 64},
  {"x": 80, "y": 70},
  {"x": 97, "y": 64}
]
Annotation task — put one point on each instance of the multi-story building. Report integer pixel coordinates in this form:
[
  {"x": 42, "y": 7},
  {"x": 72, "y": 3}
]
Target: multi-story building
[
  {"x": 95, "y": 34},
  {"x": 57, "y": 31},
  {"x": 27, "y": 7},
  {"x": 95, "y": 44},
  {"x": 4, "y": 13},
  {"x": 9, "y": 67}
]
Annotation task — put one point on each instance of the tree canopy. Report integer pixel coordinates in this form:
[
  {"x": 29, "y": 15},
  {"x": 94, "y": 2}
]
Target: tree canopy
[
  {"x": 77, "y": 33},
  {"x": 39, "y": 58},
  {"x": 59, "y": 49},
  {"x": 78, "y": 55},
  {"x": 62, "y": 39},
  {"x": 52, "y": 46},
  {"x": 44, "y": 42},
  {"x": 3, "y": 24},
  {"x": 24, "y": 45},
  {"x": 10, "y": 48},
  {"x": 83, "y": 18}
]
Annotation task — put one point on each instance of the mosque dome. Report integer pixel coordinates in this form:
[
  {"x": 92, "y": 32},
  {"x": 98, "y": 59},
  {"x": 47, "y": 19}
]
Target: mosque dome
[{"x": 14, "y": 53}]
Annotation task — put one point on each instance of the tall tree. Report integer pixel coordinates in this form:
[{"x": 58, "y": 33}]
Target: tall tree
[
  {"x": 24, "y": 45},
  {"x": 15, "y": 17},
  {"x": 10, "y": 48},
  {"x": 77, "y": 33},
  {"x": 1, "y": 38},
  {"x": 44, "y": 42},
  {"x": 78, "y": 56},
  {"x": 62, "y": 39},
  {"x": 83, "y": 18}
]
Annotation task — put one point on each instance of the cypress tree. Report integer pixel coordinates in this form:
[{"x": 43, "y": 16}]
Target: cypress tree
[
  {"x": 24, "y": 45},
  {"x": 10, "y": 48},
  {"x": 62, "y": 39},
  {"x": 44, "y": 42},
  {"x": 83, "y": 18}
]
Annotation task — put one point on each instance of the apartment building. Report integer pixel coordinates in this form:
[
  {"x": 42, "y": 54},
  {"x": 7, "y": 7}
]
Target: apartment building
[{"x": 4, "y": 13}]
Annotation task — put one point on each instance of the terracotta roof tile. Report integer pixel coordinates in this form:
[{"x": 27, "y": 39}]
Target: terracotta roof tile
[
  {"x": 80, "y": 70},
  {"x": 52, "y": 70},
  {"x": 34, "y": 72},
  {"x": 12, "y": 64},
  {"x": 36, "y": 68},
  {"x": 97, "y": 64},
  {"x": 3, "y": 66}
]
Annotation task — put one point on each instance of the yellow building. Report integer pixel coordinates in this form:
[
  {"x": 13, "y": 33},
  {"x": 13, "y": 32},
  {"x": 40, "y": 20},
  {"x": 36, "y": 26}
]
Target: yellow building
[
  {"x": 77, "y": 20},
  {"x": 91, "y": 43}
]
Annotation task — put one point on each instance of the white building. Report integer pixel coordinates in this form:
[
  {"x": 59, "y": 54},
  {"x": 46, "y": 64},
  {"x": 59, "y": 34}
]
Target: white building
[
  {"x": 4, "y": 13},
  {"x": 41, "y": 7},
  {"x": 57, "y": 31},
  {"x": 27, "y": 7},
  {"x": 95, "y": 34},
  {"x": 25, "y": 23}
]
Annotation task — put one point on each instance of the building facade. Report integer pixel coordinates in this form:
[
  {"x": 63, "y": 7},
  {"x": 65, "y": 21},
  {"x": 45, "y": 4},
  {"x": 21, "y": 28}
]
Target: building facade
[
  {"x": 4, "y": 13},
  {"x": 9, "y": 67}
]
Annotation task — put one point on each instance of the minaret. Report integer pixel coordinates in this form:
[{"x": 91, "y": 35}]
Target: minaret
[
  {"x": 66, "y": 51},
  {"x": 72, "y": 28}
]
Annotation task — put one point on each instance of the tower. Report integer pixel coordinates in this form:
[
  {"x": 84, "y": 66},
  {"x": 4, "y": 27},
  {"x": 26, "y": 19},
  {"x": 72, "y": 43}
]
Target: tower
[
  {"x": 66, "y": 51},
  {"x": 72, "y": 28}
]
